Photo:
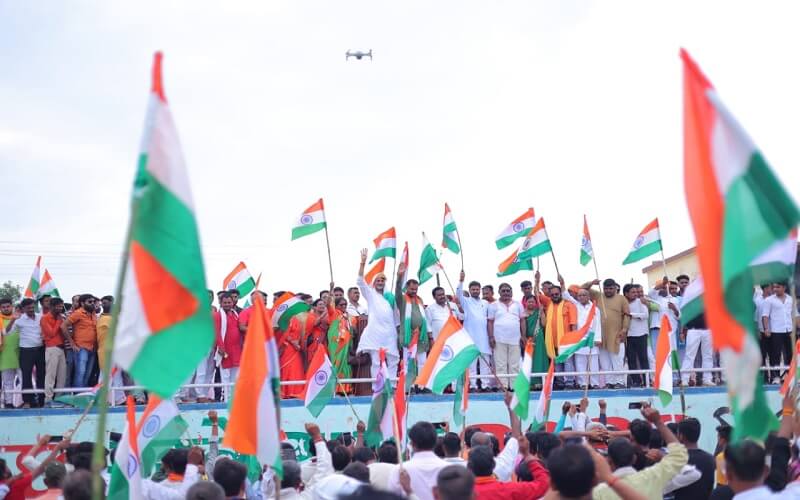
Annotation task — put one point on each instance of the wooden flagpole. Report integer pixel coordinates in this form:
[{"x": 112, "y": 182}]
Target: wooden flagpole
[{"x": 328, "y": 244}]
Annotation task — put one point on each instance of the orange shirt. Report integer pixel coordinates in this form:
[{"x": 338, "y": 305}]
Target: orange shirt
[
  {"x": 51, "y": 331},
  {"x": 559, "y": 318},
  {"x": 84, "y": 328}
]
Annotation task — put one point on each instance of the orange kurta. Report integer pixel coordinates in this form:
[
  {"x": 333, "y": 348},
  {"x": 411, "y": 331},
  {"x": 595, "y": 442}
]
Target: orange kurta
[
  {"x": 291, "y": 358},
  {"x": 316, "y": 335}
]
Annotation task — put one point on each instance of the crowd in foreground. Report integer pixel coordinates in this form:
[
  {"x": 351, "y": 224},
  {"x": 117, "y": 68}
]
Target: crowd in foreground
[
  {"x": 583, "y": 457},
  {"x": 50, "y": 345}
]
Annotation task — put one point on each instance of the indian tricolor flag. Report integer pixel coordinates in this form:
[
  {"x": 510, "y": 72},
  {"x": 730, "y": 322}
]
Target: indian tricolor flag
[
  {"x": 374, "y": 271},
  {"x": 310, "y": 221},
  {"x": 461, "y": 400},
  {"x": 692, "y": 300},
  {"x": 404, "y": 261},
  {"x": 512, "y": 264},
  {"x": 239, "y": 279},
  {"x": 646, "y": 244},
  {"x": 126, "y": 473},
  {"x": 385, "y": 245},
  {"x": 253, "y": 427},
  {"x": 450, "y": 232},
  {"x": 320, "y": 383},
  {"x": 164, "y": 328},
  {"x": 666, "y": 357},
  {"x": 542, "y": 409},
  {"x": 400, "y": 402},
  {"x": 48, "y": 286},
  {"x": 428, "y": 261},
  {"x": 587, "y": 254},
  {"x": 379, "y": 423},
  {"x": 285, "y": 308},
  {"x": 791, "y": 377},
  {"x": 33, "y": 285},
  {"x": 739, "y": 210},
  {"x": 451, "y": 354},
  {"x": 522, "y": 384},
  {"x": 571, "y": 342},
  {"x": 518, "y": 228},
  {"x": 536, "y": 243},
  {"x": 159, "y": 430}
]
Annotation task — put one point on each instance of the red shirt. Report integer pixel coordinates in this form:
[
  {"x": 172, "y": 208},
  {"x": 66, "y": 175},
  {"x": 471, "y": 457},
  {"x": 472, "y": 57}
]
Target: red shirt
[
  {"x": 232, "y": 345},
  {"x": 51, "y": 330},
  {"x": 244, "y": 317},
  {"x": 489, "y": 488},
  {"x": 17, "y": 488}
]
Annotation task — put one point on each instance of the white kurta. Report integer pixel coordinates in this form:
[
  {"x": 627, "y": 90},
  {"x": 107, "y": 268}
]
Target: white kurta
[
  {"x": 476, "y": 312},
  {"x": 583, "y": 315},
  {"x": 380, "y": 331}
]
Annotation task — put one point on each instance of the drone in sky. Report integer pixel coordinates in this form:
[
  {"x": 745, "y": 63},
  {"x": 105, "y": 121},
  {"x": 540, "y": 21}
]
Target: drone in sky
[{"x": 358, "y": 54}]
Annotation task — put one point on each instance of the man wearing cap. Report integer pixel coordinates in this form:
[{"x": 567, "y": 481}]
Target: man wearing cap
[
  {"x": 381, "y": 330},
  {"x": 615, "y": 320}
]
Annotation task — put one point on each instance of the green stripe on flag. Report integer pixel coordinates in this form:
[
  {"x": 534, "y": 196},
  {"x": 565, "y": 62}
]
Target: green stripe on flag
[
  {"x": 586, "y": 341},
  {"x": 292, "y": 311},
  {"x": 384, "y": 252},
  {"x": 508, "y": 240},
  {"x": 300, "y": 231},
  {"x": 455, "y": 368},
  {"x": 526, "y": 265},
  {"x": 642, "y": 252},
  {"x": 585, "y": 257},
  {"x": 536, "y": 250}
]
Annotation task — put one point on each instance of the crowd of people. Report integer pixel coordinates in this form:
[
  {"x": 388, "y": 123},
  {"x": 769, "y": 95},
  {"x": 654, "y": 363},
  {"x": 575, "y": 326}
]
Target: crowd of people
[
  {"x": 48, "y": 344},
  {"x": 583, "y": 457}
]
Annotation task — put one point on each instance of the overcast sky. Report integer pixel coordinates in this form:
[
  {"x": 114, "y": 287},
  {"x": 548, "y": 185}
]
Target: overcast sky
[{"x": 569, "y": 107}]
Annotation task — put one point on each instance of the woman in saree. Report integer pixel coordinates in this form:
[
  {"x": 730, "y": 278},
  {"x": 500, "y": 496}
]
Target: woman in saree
[
  {"x": 317, "y": 323},
  {"x": 534, "y": 329},
  {"x": 291, "y": 358},
  {"x": 340, "y": 337}
]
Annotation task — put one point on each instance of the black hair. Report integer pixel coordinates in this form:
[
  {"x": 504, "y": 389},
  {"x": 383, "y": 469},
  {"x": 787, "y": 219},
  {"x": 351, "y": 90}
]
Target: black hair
[
  {"x": 504, "y": 285},
  {"x": 230, "y": 474},
  {"x": 423, "y": 436},
  {"x": 352, "y": 288},
  {"x": 86, "y": 296},
  {"x": 314, "y": 304},
  {"x": 621, "y": 452},
  {"x": 338, "y": 289},
  {"x": 357, "y": 470},
  {"x": 640, "y": 431},
  {"x": 340, "y": 457},
  {"x": 107, "y": 297},
  {"x": 546, "y": 282},
  {"x": 451, "y": 444},
  {"x": 746, "y": 460},
  {"x": 42, "y": 297},
  {"x": 571, "y": 470},
  {"x": 363, "y": 454},
  {"x": 724, "y": 431},
  {"x": 436, "y": 289},
  {"x": 490, "y": 287},
  {"x": 481, "y": 461},
  {"x": 176, "y": 459},
  {"x": 473, "y": 283},
  {"x": 82, "y": 461},
  {"x": 412, "y": 281},
  {"x": 339, "y": 301},
  {"x": 438, "y": 448},
  {"x": 689, "y": 428},
  {"x": 323, "y": 292},
  {"x": 546, "y": 442},
  {"x": 607, "y": 283},
  {"x": 54, "y": 301},
  {"x": 26, "y": 302},
  {"x": 682, "y": 277},
  {"x": 5, "y": 300},
  {"x": 556, "y": 286},
  {"x": 523, "y": 472},
  {"x": 208, "y": 490},
  {"x": 627, "y": 288},
  {"x": 387, "y": 453},
  {"x": 455, "y": 482},
  {"x": 369, "y": 492},
  {"x": 225, "y": 295},
  {"x": 77, "y": 485},
  {"x": 525, "y": 283}
]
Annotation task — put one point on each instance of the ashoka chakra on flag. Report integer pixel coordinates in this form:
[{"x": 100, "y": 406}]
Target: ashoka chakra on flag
[
  {"x": 306, "y": 219},
  {"x": 321, "y": 377},
  {"x": 151, "y": 426},
  {"x": 447, "y": 353},
  {"x": 518, "y": 226}
]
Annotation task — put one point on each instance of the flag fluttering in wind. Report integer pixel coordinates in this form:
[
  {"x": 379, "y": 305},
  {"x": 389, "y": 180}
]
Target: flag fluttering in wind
[
  {"x": 518, "y": 228},
  {"x": 536, "y": 243},
  {"x": 310, "y": 221},
  {"x": 379, "y": 423},
  {"x": 461, "y": 400},
  {"x": 739, "y": 210},
  {"x": 404, "y": 260},
  {"x": 159, "y": 430},
  {"x": 32, "y": 290},
  {"x": 512, "y": 264},
  {"x": 48, "y": 286},
  {"x": 522, "y": 384},
  {"x": 285, "y": 308},
  {"x": 400, "y": 402},
  {"x": 451, "y": 354},
  {"x": 542, "y": 410},
  {"x": 385, "y": 245},
  {"x": 320, "y": 383},
  {"x": 126, "y": 472},
  {"x": 692, "y": 300},
  {"x": 587, "y": 253},
  {"x": 646, "y": 243},
  {"x": 240, "y": 280},
  {"x": 164, "y": 328},
  {"x": 253, "y": 427},
  {"x": 449, "y": 232},
  {"x": 666, "y": 360},
  {"x": 374, "y": 271},
  {"x": 572, "y": 342},
  {"x": 428, "y": 262}
]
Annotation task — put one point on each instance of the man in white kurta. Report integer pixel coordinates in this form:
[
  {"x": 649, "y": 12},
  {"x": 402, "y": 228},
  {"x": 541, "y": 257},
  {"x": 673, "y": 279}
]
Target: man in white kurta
[
  {"x": 476, "y": 312},
  {"x": 588, "y": 356},
  {"x": 381, "y": 330}
]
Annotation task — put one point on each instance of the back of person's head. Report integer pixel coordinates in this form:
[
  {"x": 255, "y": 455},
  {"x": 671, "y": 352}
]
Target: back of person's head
[
  {"x": 656, "y": 441},
  {"x": 54, "y": 474},
  {"x": 454, "y": 482},
  {"x": 546, "y": 442},
  {"x": 82, "y": 461},
  {"x": 340, "y": 457},
  {"x": 523, "y": 472},
  {"x": 531, "y": 437},
  {"x": 438, "y": 448},
  {"x": 571, "y": 470},
  {"x": 640, "y": 431},
  {"x": 471, "y": 431},
  {"x": 481, "y": 461},
  {"x": 364, "y": 455},
  {"x": 689, "y": 430},
  {"x": 205, "y": 490},
  {"x": 724, "y": 431},
  {"x": 176, "y": 460},
  {"x": 77, "y": 485},
  {"x": 230, "y": 474},
  {"x": 369, "y": 492},
  {"x": 4, "y": 472},
  {"x": 292, "y": 474},
  {"x": 345, "y": 439},
  {"x": 745, "y": 461},
  {"x": 387, "y": 453},
  {"x": 495, "y": 444},
  {"x": 621, "y": 452},
  {"x": 357, "y": 470},
  {"x": 451, "y": 444},
  {"x": 422, "y": 436}
]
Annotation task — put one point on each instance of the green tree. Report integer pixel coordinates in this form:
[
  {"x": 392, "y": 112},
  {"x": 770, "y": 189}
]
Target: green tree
[{"x": 9, "y": 289}]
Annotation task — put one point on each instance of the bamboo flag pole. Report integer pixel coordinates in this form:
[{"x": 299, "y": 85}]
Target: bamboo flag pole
[
  {"x": 328, "y": 244},
  {"x": 461, "y": 248}
]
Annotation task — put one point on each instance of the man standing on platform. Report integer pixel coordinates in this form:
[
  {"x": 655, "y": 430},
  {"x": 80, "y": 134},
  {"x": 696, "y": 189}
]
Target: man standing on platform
[
  {"x": 381, "y": 330},
  {"x": 229, "y": 343},
  {"x": 561, "y": 316},
  {"x": 82, "y": 322},
  {"x": 615, "y": 323},
  {"x": 506, "y": 327},
  {"x": 31, "y": 351},
  {"x": 476, "y": 314},
  {"x": 413, "y": 322},
  {"x": 438, "y": 313}
]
